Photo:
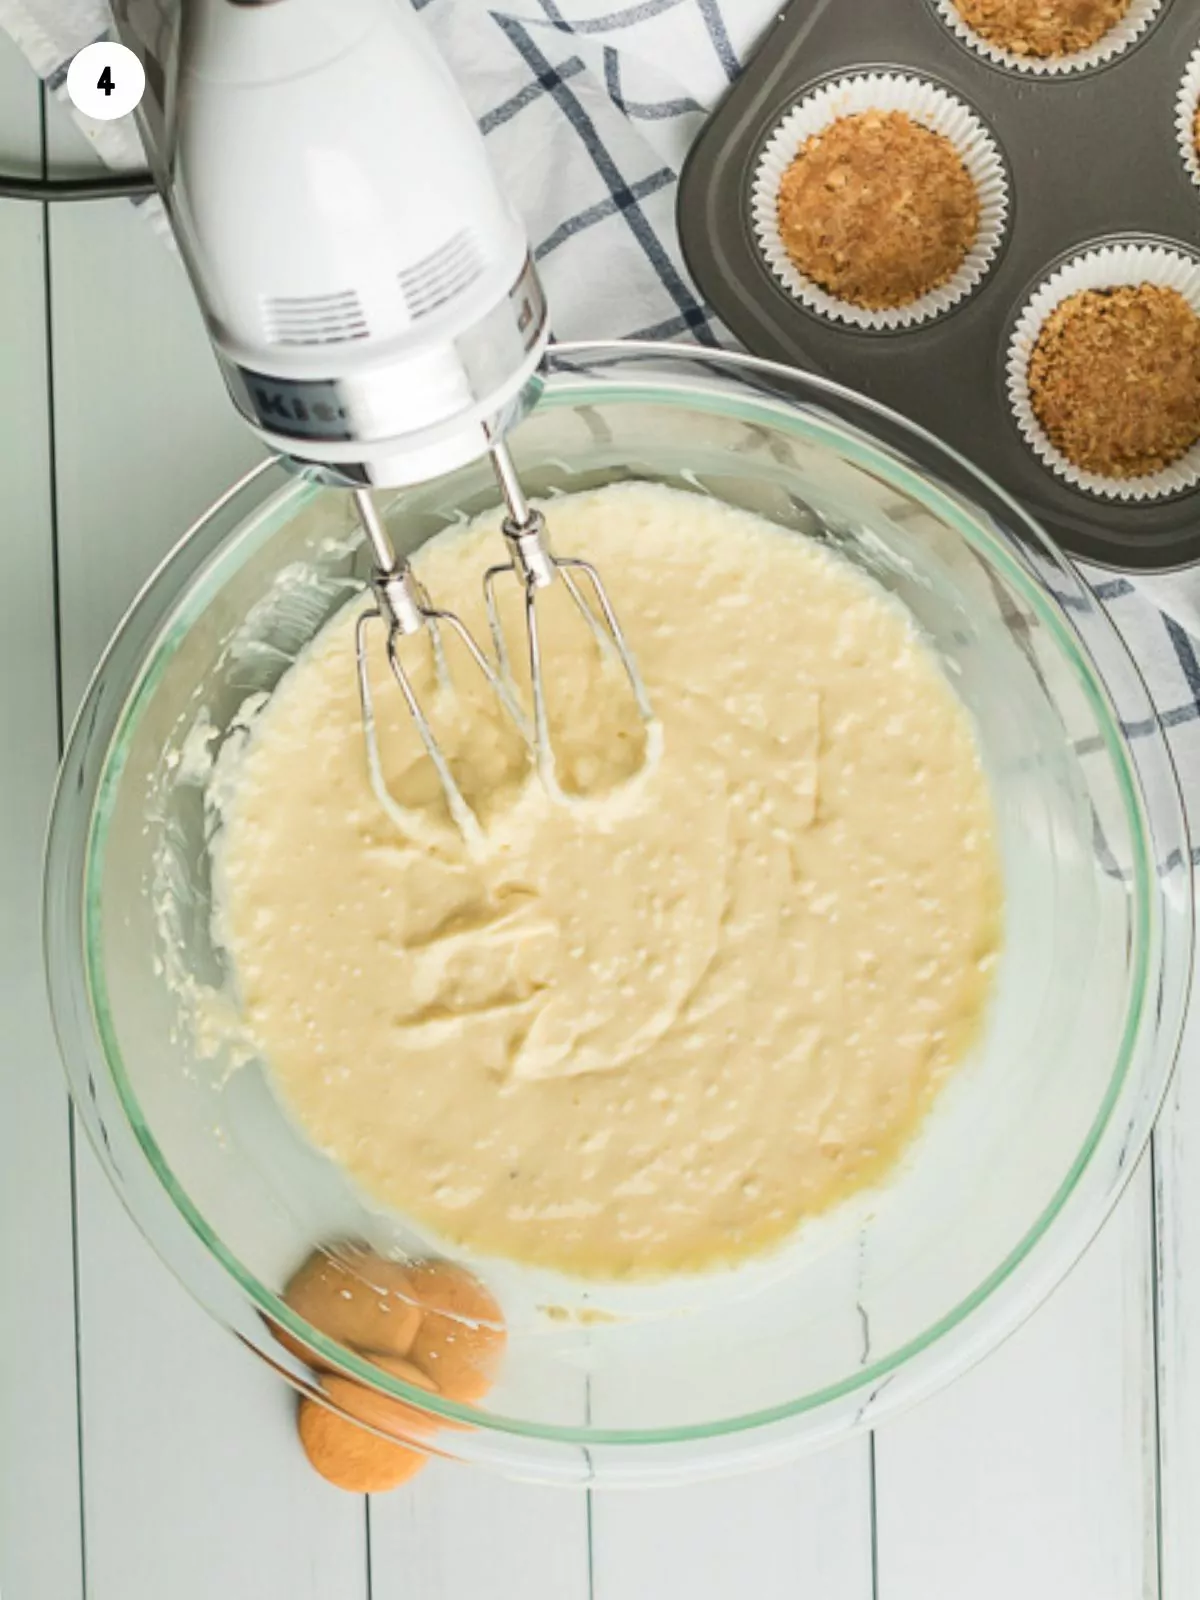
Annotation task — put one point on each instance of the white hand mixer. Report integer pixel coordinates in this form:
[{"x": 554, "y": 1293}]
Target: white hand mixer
[{"x": 369, "y": 294}]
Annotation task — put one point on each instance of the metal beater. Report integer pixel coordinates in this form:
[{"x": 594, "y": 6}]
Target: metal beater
[
  {"x": 368, "y": 290},
  {"x": 535, "y": 567},
  {"x": 403, "y": 608}
]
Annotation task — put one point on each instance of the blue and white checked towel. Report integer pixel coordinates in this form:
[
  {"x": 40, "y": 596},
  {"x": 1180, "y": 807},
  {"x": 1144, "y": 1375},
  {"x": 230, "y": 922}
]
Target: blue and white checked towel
[{"x": 589, "y": 107}]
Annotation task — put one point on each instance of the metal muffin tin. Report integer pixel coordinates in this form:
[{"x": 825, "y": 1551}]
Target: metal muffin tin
[{"x": 1092, "y": 156}]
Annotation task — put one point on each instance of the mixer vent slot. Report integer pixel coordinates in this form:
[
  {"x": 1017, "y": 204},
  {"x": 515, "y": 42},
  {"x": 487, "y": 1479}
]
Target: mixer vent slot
[
  {"x": 315, "y": 319},
  {"x": 451, "y": 268}
]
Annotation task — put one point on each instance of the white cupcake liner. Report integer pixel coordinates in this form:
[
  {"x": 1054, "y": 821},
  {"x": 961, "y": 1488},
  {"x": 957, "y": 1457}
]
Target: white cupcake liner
[
  {"x": 1115, "y": 42},
  {"x": 1185, "y": 117},
  {"x": 933, "y": 108},
  {"x": 1104, "y": 267}
]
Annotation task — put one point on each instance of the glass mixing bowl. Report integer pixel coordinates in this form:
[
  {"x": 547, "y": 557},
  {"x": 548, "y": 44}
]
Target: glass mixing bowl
[{"x": 867, "y": 1308}]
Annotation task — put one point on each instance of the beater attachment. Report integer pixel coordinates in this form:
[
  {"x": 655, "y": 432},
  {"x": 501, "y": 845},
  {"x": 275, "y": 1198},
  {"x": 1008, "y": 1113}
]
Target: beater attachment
[
  {"x": 535, "y": 568},
  {"x": 403, "y": 608}
]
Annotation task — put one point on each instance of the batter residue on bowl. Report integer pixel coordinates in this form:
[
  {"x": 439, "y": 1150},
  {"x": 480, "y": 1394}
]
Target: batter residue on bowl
[{"x": 651, "y": 1033}]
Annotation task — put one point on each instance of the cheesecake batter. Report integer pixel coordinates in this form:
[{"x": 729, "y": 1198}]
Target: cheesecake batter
[{"x": 651, "y": 1031}]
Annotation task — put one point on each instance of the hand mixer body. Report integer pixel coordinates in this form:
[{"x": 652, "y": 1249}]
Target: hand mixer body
[
  {"x": 368, "y": 290},
  {"x": 366, "y": 284}
]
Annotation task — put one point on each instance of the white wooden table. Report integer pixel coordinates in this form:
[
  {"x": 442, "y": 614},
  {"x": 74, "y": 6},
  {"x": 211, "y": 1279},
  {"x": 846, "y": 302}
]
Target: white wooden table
[{"x": 144, "y": 1456}]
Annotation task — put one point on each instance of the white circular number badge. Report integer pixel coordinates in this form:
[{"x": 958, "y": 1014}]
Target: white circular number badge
[{"x": 106, "y": 81}]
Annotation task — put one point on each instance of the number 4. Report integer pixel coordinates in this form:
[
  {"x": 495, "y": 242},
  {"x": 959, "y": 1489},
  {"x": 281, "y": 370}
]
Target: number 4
[{"x": 105, "y": 81}]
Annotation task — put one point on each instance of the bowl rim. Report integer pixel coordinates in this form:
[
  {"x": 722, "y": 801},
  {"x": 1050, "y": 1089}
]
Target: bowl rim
[{"x": 1051, "y": 608}]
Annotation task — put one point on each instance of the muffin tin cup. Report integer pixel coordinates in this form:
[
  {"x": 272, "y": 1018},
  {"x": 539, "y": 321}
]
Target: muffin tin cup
[
  {"x": 1111, "y": 266},
  {"x": 1119, "y": 38},
  {"x": 1186, "y": 106},
  {"x": 934, "y": 108}
]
